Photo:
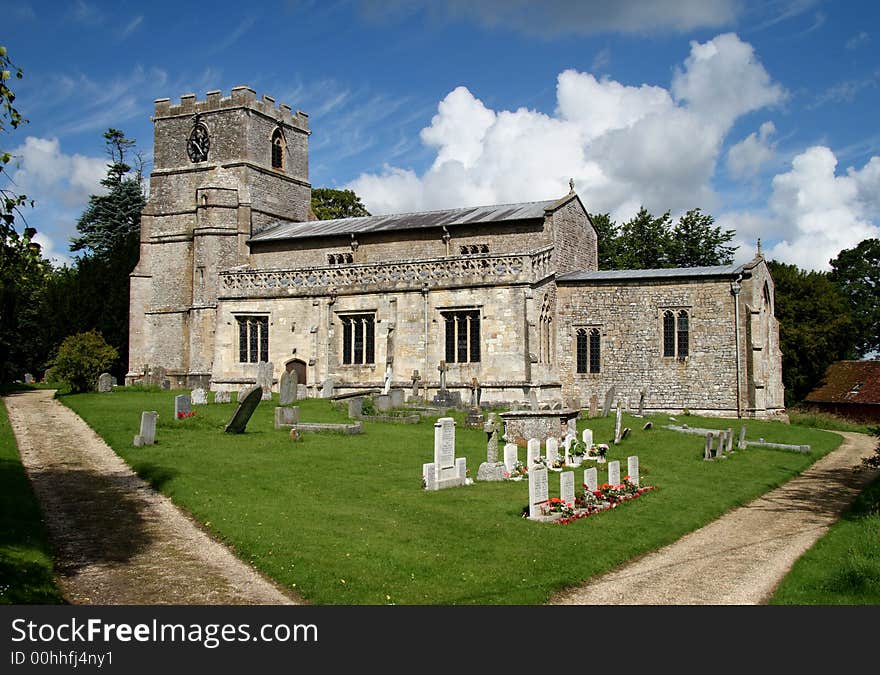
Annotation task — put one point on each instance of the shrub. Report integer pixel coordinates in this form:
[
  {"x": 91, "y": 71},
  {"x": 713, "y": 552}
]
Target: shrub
[{"x": 81, "y": 358}]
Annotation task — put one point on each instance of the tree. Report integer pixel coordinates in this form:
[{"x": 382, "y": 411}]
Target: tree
[
  {"x": 815, "y": 327},
  {"x": 644, "y": 242},
  {"x": 608, "y": 244},
  {"x": 328, "y": 204},
  {"x": 856, "y": 272},
  {"x": 81, "y": 358},
  {"x": 693, "y": 242}
]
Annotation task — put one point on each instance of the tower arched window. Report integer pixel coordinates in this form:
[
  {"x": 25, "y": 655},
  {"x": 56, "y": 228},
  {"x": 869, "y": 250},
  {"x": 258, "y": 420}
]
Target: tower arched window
[{"x": 277, "y": 149}]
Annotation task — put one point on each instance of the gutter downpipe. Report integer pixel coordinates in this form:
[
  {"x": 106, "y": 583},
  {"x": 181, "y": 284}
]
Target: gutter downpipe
[{"x": 735, "y": 288}]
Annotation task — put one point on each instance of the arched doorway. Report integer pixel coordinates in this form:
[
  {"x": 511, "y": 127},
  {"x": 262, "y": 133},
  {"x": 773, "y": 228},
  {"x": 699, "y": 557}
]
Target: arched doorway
[{"x": 299, "y": 366}]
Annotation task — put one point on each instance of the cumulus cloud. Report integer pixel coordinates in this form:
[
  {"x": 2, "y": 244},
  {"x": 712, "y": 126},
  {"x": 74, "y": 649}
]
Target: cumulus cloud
[
  {"x": 746, "y": 157},
  {"x": 624, "y": 145}
]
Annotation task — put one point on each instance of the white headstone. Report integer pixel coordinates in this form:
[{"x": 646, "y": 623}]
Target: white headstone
[
  {"x": 587, "y": 437},
  {"x": 265, "y": 378},
  {"x": 632, "y": 468},
  {"x": 566, "y": 487},
  {"x": 511, "y": 456},
  {"x": 551, "y": 450},
  {"x": 199, "y": 396},
  {"x": 614, "y": 472},
  {"x": 148, "y": 426},
  {"x": 444, "y": 446},
  {"x": 533, "y": 452},
  {"x": 591, "y": 479},
  {"x": 539, "y": 491},
  {"x": 182, "y": 406}
]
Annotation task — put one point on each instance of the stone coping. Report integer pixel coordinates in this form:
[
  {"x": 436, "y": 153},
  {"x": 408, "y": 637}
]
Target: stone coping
[{"x": 564, "y": 412}]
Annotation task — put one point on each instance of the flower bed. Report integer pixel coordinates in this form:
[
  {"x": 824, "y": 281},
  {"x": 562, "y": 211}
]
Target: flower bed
[{"x": 589, "y": 503}]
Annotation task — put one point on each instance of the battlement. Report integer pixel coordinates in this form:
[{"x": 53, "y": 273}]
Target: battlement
[{"x": 240, "y": 97}]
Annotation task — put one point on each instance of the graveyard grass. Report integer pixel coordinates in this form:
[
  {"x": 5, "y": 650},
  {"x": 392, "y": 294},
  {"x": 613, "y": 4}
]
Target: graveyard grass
[
  {"x": 25, "y": 554},
  {"x": 842, "y": 568},
  {"x": 343, "y": 519}
]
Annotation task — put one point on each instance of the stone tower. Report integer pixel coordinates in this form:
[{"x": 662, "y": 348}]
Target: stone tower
[{"x": 223, "y": 169}]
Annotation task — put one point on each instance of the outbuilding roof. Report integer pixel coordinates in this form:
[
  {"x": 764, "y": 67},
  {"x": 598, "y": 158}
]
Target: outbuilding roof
[
  {"x": 405, "y": 221},
  {"x": 849, "y": 382}
]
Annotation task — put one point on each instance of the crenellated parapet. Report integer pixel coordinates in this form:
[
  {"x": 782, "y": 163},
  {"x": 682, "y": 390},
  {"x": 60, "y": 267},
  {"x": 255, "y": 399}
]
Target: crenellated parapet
[
  {"x": 479, "y": 270},
  {"x": 240, "y": 97}
]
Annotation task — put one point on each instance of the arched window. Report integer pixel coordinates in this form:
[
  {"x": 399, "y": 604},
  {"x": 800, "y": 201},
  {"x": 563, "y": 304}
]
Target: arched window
[
  {"x": 668, "y": 333},
  {"x": 587, "y": 350},
  {"x": 277, "y": 149},
  {"x": 683, "y": 330},
  {"x": 676, "y": 333},
  {"x": 594, "y": 350}
]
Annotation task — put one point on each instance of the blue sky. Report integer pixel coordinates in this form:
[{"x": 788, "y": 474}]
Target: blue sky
[{"x": 763, "y": 114}]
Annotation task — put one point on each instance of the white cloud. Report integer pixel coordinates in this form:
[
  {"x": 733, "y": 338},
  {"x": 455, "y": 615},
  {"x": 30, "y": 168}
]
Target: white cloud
[
  {"x": 43, "y": 170},
  {"x": 746, "y": 157},
  {"x": 858, "y": 40},
  {"x": 818, "y": 213},
  {"x": 624, "y": 145},
  {"x": 50, "y": 253}
]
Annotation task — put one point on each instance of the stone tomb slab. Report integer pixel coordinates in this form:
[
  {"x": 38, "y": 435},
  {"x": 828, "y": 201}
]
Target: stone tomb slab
[{"x": 249, "y": 400}]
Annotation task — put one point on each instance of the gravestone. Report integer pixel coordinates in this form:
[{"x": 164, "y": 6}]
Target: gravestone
[
  {"x": 249, "y": 399},
  {"x": 382, "y": 402},
  {"x": 445, "y": 398},
  {"x": 327, "y": 390},
  {"x": 643, "y": 394},
  {"x": 591, "y": 479},
  {"x": 356, "y": 407},
  {"x": 511, "y": 456},
  {"x": 302, "y": 391},
  {"x": 707, "y": 451},
  {"x": 566, "y": 487},
  {"x": 722, "y": 442},
  {"x": 539, "y": 491},
  {"x": 199, "y": 396},
  {"x": 648, "y": 426},
  {"x": 29, "y": 379},
  {"x": 105, "y": 382},
  {"x": 265, "y": 378},
  {"x": 239, "y": 397},
  {"x": 729, "y": 441},
  {"x": 609, "y": 399},
  {"x": 182, "y": 406},
  {"x": 492, "y": 469},
  {"x": 533, "y": 399},
  {"x": 594, "y": 406},
  {"x": 286, "y": 416},
  {"x": 741, "y": 443},
  {"x": 626, "y": 432},
  {"x": 445, "y": 471},
  {"x": 572, "y": 425},
  {"x": 416, "y": 378},
  {"x": 587, "y": 438},
  {"x": 287, "y": 387},
  {"x": 533, "y": 451},
  {"x": 551, "y": 451},
  {"x": 568, "y": 442},
  {"x": 632, "y": 469},
  {"x": 221, "y": 397},
  {"x": 148, "y": 427},
  {"x": 617, "y": 423},
  {"x": 396, "y": 398},
  {"x": 386, "y": 386},
  {"x": 475, "y": 388},
  {"x": 614, "y": 472}
]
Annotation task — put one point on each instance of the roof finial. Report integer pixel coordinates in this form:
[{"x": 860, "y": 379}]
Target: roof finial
[
  {"x": 571, "y": 186},
  {"x": 759, "y": 247}
]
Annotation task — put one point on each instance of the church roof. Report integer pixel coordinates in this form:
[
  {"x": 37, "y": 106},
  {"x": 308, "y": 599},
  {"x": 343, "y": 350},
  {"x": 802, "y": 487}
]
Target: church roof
[
  {"x": 405, "y": 221},
  {"x": 663, "y": 273}
]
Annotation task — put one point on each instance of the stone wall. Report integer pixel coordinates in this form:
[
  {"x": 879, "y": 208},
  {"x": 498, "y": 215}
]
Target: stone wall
[{"x": 574, "y": 237}]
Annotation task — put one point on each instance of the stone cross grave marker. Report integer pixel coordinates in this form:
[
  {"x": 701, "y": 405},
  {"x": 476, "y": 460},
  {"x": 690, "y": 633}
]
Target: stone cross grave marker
[
  {"x": 551, "y": 450},
  {"x": 148, "y": 428},
  {"x": 265, "y": 377},
  {"x": 199, "y": 396},
  {"x": 609, "y": 399},
  {"x": 566, "y": 487},
  {"x": 416, "y": 378},
  {"x": 614, "y": 472},
  {"x": 511, "y": 456},
  {"x": 533, "y": 452},
  {"x": 591, "y": 479},
  {"x": 442, "y": 369},
  {"x": 632, "y": 469},
  {"x": 741, "y": 443},
  {"x": 182, "y": 406},
  {"x": 587, "y": 438},
  {"x": 249, "y": 399},
  {"x": 617, "y": 423},
  {"x": 105, "y": 383},
  {"x": 539, "y": 491},
  {"x": 707, "y": 451},
  {"x": 594, "y": 406},
  {"x": 492, "y": 432},
  {"x": 221, "y": 397},
  {"x": 287, "y": 387}
]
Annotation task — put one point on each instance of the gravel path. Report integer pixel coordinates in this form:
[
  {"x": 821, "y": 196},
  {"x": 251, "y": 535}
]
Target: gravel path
[
  {"x": 117, "y": 540},
  {"x": 741, "y": 557}
]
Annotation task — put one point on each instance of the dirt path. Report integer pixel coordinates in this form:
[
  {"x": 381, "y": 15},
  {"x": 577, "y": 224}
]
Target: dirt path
[
  {"x": 117, "y": 540},
  {"x": 741, "y": 557}
]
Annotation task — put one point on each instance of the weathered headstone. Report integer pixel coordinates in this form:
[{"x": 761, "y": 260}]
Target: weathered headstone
[
  {"x": 730, "y": 440},
  {"x": 416, "y": 378},
  {"x": 609, "y": 399},
  {"x": 614, "y": 472},
  {"x": 648, "y": 426},
  {"x": 511, "y": 456},
  {"x": 327, "y": 390},
  {"x": 239, "y": 397},
  {"x": 594, "y": 406},
  {"x": 632, "y": 469},
  {"x": 105, "y": 382},
  {"x": 643, "y": 395},
  {"x": 625, "y": 433},
  {"x": 551, "y": 451},
  {"x": 591, "y": 479},
  {"x": 148, "y": 427},
  {"x": 265, "y": 378},
  {"x": 29, "y": 379},
  {"x": 396, "y": 398},
  {"x": 199, "y": 396},
  {"x": 587, "y": 438},
  {"x": 722, "y": 442},
  {"x": 741, "y": 443},
  {"x": 445, "y": 471},
  {"x": 356, "y": 407},
  {"x": 221, "y": 397},
  {"x": 533, "y": 451},
  {"x": 617, "y": 423},
  {"x": 286, "y": 416},
  {"x": 492, "y": 469},
  {"x": 287, "y": 387},
  {"x": 302, "y": 391},
  {"x": 566, "y": 487},
  {"x": 539, "y": 491},
  {"x": 182, "y": 406},
  {"x": 707, "y": 451},
  {"x": 249, "y": 399},
  {"x": 533, "y": 399},
  {"x": 382, "y": 402}
]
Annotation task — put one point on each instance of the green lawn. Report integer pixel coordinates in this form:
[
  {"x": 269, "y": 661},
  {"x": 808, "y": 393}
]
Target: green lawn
[
  {"x": 25, "y": 555},
  {"x": 343, "y": 519},
  {"x": 842, "y": 568}
]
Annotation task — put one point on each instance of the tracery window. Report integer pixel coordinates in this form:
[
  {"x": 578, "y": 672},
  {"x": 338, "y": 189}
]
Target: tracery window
[
  {"x": 676, "y": 333},
  {"x": 588, "y": 350},
  {"x": 253, "y": 338},
  {"x": 277, "y": 149},
  {"x": 358, "y": 339},
  {"x": 462, "y": 336}
]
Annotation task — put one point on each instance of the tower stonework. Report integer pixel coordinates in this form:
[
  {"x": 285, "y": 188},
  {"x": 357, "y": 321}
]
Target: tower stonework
[{"x": 224, "y": 169}]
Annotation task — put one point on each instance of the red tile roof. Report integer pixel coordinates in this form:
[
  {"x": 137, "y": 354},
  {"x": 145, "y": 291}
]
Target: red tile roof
[{"x": 849, "y": 382}]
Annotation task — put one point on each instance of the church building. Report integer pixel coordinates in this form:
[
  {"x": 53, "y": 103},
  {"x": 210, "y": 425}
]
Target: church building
[{"x": 234, "y": 271}]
